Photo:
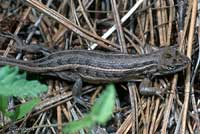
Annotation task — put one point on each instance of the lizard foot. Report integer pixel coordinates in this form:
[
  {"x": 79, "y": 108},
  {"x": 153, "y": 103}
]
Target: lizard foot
[{"x": 81, "y": 101}]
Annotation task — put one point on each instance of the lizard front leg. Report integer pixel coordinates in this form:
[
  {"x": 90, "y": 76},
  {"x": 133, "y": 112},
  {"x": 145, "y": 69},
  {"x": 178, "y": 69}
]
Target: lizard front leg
[{"x": 147, "y": 89}]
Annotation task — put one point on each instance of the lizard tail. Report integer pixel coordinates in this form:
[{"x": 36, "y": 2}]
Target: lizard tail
[{"x": 23, "y": 65}]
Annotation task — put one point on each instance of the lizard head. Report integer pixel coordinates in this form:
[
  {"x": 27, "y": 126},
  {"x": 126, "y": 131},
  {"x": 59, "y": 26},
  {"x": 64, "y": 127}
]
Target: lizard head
[{"x": 171, "y": 61}]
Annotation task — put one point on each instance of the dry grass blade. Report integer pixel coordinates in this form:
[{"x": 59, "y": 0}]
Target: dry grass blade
[
  {"x": 120, "y": 33},
  {"x": 188, "y": 71},
  {"x": 128, "y": 26},
  {"x": 76, "y": 29}
]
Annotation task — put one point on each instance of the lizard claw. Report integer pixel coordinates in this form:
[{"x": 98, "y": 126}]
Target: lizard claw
[{"x": 80, "y": 100}]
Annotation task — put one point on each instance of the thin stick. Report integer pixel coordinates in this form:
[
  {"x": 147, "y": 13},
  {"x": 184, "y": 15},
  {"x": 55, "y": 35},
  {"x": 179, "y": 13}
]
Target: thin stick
[
  {"x": 188, "y": 71},
  {"x": 113, "y": 28}
]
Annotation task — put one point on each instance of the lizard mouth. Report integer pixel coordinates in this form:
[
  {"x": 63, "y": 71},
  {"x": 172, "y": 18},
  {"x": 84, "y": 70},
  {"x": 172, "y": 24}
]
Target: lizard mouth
[
  {"x": 182, "y": 65},
  {"x": 174, "y": 69}
]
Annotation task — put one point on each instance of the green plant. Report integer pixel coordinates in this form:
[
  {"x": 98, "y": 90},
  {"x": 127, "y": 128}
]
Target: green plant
[
  {"x": 100, "y": 113},
  {"x": 14, "y": 84}
]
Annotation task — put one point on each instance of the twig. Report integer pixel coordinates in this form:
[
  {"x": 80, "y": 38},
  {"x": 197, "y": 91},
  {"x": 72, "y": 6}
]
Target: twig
[
  {"x": 113, "y": 28},
  {"x": 120, "y": 33},
  {"x": 68, "y": 24},
  {"x": 188, "y": 71}
]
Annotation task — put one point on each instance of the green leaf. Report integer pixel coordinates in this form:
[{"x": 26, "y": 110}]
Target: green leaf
[
  {"x": 3, "y": 103},
  {"x": 103, "y": 108},
  {"x": 79, "y": 124},
  {"x": 4, "y": 71},
  {"x": 100, "y": 113},
  {"x": 14, "y": 84},
  {"x": 11, "y": 76},
  {"x": 21, "y": 110},
  {"x": 23, "y": 88}
]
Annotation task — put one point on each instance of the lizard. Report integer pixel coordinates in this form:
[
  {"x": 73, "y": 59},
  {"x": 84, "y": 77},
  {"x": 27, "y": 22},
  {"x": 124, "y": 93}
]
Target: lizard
[{"x": 101, "y": 67}]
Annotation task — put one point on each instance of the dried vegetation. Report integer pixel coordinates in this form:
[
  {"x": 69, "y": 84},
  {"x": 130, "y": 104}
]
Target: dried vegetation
[{"x": 128, "y": 26}]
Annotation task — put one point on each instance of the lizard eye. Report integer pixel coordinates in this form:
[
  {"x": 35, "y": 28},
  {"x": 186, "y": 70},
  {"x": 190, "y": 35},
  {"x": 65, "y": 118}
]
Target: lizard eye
[
  {"x": 170, "y": 67},
  {"x": 167, "y": 55}
]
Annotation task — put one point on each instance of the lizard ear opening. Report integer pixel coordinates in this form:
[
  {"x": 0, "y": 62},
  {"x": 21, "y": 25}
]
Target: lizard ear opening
[
  {"x": 168, "y": 61},
  {"x": 168, "y": 57}
]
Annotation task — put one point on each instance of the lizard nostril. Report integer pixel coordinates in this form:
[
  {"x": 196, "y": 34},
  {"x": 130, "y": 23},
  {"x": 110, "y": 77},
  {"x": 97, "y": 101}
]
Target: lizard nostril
[{"x": 174, "y": 60}]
